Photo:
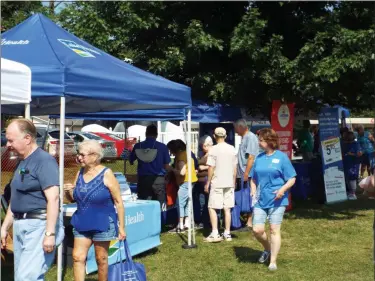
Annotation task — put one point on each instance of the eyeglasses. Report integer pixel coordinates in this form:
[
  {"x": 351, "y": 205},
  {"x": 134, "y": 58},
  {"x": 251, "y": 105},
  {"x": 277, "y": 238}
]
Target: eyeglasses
[
  {"x": 261, "y": 140},
  {"x": 83, "y": 155}
]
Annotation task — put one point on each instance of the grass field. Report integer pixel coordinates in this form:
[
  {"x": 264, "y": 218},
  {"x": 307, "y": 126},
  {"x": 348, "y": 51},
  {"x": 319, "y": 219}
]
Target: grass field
[{"x": 320, "y": 243}]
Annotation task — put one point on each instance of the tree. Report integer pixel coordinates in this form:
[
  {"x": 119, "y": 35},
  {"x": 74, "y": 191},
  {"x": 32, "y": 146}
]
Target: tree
[
  {"x": 14, "y": 12},
  {"x": 245, "y": 53}
]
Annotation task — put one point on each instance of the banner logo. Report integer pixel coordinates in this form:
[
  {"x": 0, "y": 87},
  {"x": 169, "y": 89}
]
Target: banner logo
[
  {"x": 79, "y": 49},
  {"x": 283, "y": 115},
  {"x": 10, "y": 42}
]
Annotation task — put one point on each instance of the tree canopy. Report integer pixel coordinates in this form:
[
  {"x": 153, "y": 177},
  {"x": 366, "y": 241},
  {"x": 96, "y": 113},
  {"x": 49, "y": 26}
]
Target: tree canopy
[{"x": 245, "y": 53}]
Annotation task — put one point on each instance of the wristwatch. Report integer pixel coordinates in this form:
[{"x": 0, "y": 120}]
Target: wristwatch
[{"x": 49, "y": 234}]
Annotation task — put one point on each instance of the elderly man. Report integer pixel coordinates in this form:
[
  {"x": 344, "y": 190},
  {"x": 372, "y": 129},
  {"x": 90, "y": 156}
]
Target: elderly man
[
  {"x": 153, "y": 162},
  {"x": 222, "y": 173},
  {"x": 34, "y": 205},
  {"x": 247, "y": 153}
]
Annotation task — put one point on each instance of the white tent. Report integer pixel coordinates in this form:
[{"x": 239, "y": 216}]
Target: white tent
[
  {"x": 95, "y": 128},
  {"x": 15, "y": 82}
]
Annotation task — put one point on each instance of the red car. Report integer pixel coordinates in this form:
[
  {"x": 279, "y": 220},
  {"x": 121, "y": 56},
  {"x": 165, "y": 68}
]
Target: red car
[{"x": 119, "y": 142}]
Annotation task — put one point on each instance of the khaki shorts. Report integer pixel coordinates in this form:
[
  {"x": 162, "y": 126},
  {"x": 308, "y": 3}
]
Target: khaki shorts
[{"x": 220, "y": 198}]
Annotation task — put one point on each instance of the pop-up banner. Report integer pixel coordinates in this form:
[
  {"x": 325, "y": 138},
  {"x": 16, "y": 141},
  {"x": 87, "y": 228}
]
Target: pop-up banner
[
  {"x": 282, "y": 121},
  {"x": 333, "y": 168}
]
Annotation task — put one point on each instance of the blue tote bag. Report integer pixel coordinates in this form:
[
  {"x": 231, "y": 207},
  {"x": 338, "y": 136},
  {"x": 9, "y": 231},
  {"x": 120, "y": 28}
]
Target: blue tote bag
[
  {"x": 235, "y": 221},
  {"x": 127, "y": 270},
  {"x": 245, "y": 197}
]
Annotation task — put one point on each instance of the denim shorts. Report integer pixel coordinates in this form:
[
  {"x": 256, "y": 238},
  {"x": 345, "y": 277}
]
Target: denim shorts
[
  {"x": 274, "y": 215},
  {"x": 108, "y": 235}
]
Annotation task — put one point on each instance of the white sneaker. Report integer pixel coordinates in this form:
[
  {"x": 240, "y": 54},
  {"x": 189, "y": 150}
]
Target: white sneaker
[
  {"x": 227, "y": 237},
  {"x": 213, "y": 238},
  {"x": 272, "y": 267},
  {"x": 352, "y": 197}
]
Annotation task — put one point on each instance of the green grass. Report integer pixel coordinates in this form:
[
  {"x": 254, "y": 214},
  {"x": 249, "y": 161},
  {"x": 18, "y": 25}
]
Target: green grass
[{"x": 322, "y": 243}]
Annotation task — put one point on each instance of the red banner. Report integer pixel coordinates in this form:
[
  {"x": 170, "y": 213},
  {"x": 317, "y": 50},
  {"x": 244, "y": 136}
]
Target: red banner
[{"x": 282, "y": 121}]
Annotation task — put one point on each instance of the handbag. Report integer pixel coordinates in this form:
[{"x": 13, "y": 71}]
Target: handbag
[
  {"x": 235, "y": 221},
  {"x": 127, "y": 270},
  {"x": 245, "y": 197}
]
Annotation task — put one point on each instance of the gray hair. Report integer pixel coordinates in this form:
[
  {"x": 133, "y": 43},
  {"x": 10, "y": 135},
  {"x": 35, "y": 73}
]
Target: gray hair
[
  {"x": 241, "y": 123},
  {"x": 206, "y": 140},
  {"x": 92, "y": 146}
]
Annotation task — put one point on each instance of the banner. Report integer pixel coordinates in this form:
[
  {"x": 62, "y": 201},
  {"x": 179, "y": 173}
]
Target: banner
[
  {"x": 333, "y": 168},
  {"x": 282, "y": 121}
]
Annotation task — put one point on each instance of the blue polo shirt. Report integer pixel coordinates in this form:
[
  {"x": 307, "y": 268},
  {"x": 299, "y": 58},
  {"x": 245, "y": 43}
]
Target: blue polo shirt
[
  {"x": 270, "y": 173},
  {"x": 156, "y": 167},
  {"x": 40, "y": 171}
]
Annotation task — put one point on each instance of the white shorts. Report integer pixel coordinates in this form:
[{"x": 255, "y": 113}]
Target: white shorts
[{"x": 220, "y": 198}]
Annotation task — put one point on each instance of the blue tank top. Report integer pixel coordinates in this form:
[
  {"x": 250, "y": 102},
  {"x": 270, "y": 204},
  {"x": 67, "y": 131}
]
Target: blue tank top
[{"x": 94, "y": 205}]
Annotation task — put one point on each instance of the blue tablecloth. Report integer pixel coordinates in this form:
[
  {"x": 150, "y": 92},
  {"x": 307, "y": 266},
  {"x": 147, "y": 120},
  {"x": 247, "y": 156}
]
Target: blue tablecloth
[
  {"x": 302, "y": 188},
  {"x": 142, "y": 223}
]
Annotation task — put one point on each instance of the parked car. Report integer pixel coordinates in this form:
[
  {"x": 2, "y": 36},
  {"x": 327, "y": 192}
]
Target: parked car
[
  {"x": 52, "y": 144},
  {"x": 119, "y": 142},
  {"x": 109, "y": 148}
]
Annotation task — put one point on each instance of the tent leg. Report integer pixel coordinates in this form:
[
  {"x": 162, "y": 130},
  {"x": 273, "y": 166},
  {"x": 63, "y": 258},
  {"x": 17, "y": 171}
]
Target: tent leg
[
  {"x": 191, "y": 234},
  {"x": 27, "y": 111},
  {"x": 61, "y": 167},
  {"x": 124, "y": 146}
]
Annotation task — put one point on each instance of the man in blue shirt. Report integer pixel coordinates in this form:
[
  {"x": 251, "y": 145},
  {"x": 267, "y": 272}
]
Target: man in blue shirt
[
  {"x": 34, "y": 205},
  {"x": 153, "y": 162}
]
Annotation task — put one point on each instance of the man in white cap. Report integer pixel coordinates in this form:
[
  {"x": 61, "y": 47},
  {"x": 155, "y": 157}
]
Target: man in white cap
[{"x": 222, "y": 173}]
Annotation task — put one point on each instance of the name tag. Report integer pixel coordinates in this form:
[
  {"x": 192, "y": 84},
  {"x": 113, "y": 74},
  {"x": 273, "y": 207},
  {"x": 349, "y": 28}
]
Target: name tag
[{"x": 276, "y": 161}]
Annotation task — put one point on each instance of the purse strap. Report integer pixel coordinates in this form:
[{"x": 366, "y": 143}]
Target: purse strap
[{"x": 127, "y": 251}]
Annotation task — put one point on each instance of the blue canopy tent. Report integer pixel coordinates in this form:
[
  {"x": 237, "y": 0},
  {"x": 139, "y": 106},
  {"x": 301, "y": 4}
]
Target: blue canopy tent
[
  {"x": 69, "y": 75},
  {"x": 200, "y": 112}
]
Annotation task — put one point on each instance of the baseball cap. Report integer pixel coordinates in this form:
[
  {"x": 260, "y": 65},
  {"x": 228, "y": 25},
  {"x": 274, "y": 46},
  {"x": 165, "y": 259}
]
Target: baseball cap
[{"x": 220, "y": 132}]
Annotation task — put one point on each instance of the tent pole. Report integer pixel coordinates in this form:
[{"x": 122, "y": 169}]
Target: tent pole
[
  {"x": 61, "y": 167},
  {"x": 124, "y": 123},
  {"x": 191, "y": 234},
  {"x": 27, "y": 111}
]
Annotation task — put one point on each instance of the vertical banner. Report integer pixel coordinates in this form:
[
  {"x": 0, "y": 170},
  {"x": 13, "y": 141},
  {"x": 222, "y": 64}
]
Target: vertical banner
[
  {"x": 333, "y": 168},
  {"x": 282, "y": 122}
]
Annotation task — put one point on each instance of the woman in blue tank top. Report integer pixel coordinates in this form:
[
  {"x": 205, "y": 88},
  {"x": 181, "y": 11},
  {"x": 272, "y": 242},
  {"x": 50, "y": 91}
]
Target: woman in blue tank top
[{"x": 97, "y": 193}]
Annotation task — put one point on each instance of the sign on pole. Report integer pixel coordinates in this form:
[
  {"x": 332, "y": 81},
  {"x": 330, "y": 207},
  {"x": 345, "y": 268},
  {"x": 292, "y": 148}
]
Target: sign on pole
[{"x": 333, "y": 168}]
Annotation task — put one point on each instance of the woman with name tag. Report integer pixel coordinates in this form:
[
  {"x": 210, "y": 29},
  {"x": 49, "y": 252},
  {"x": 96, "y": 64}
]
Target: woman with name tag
[
  {"x": 97, "y": 193},
  {"x": 271, "y": 178}
]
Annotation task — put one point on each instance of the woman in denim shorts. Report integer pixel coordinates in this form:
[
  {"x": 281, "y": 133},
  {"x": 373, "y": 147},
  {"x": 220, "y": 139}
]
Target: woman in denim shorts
[
  {"x": 271, "y": 178},
  {"x": 96, "y": 192}
]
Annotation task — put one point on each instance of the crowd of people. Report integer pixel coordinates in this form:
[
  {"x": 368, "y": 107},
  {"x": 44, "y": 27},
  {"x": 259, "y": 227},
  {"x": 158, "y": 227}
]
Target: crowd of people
[
  {"x": 257, "y": 183},
  {"x": 256, "y": 180}
]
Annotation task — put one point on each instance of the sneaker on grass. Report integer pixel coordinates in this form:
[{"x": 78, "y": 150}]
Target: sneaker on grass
[
  {"x": 213, "y": 238},
  {"x": 272, "y": 267},
  {"x": 227, "y": 237},
  {"x": 264, "y": 257}
]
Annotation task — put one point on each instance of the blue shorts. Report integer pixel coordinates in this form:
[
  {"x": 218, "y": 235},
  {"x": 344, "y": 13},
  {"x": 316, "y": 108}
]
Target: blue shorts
[
  {"x": 108, "y": 235},
  {"x": 274, "y": 215}
]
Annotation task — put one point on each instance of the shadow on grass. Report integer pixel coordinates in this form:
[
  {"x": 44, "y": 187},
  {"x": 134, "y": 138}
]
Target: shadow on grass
[
  {"x": 246, "y": 254},
  {"x": 338, "y": 211}
]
